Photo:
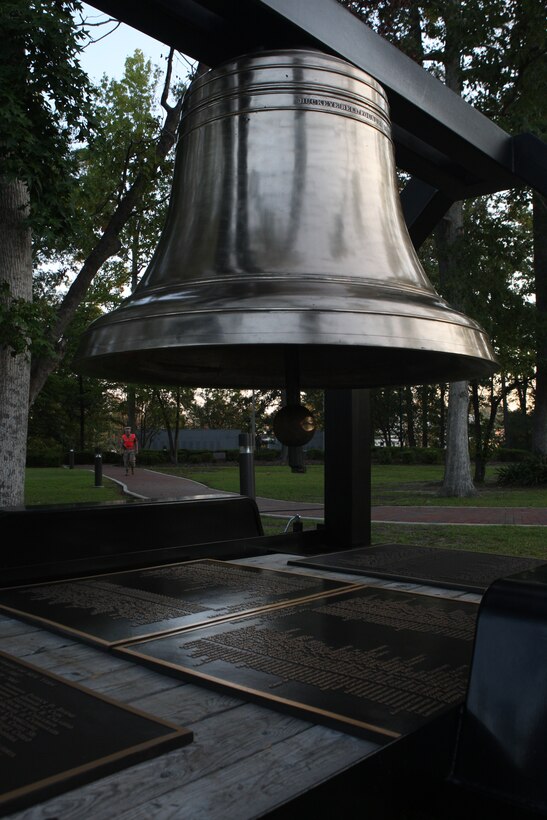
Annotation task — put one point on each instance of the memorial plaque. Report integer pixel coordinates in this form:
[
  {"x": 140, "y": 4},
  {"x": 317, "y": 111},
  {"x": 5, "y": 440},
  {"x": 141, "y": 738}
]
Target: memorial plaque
[
  {"x": 55, "y": 735},
  {"x": 373, "y": 662},
  {"x": 458, "y": 569},
  {"x": 122, "y": 606}
]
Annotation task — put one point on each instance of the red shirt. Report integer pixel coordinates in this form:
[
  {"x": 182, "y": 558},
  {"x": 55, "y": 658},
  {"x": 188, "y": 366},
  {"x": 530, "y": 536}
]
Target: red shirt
[{"x": 129, "y": 441}]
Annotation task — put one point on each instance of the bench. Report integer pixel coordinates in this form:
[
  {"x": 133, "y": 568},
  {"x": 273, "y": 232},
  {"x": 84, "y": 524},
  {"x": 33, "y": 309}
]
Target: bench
[{"x": 40, "y": 543}]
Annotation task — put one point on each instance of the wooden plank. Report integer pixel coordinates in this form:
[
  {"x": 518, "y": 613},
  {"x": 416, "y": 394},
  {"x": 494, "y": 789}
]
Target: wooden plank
[
  {"x": 32, "y": 642},
  {"x": 245, "y": 760},
  {"x": 10, "y": 627},
  {"x": 260, "y": 783},
  {"x": 57, "y": 735},
  {"x": 187, "y": 703},
  {"x": 238, "y": 742}
]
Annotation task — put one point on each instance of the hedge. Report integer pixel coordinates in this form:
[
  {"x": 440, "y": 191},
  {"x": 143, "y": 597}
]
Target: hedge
[
  {"x": 529, "y": 473},
  {"x": 407, "y": 455},
  {"x": 508, "y": 454},
  {"x": 44, "y": 458}
]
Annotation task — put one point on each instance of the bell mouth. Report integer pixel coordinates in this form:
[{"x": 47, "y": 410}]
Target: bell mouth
[
  {"x": 263, "y": 366},
  {"x": 344, "y": 334}
]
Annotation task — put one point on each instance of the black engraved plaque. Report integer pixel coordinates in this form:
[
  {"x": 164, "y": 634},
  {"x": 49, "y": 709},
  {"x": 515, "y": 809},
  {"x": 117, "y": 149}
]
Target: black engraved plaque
[
  {"x": 55, "y": 735},
  {"x": 458, "y": 569},
  {"x": 122, "y": 606},
  {"x": 373, "y": 662}
]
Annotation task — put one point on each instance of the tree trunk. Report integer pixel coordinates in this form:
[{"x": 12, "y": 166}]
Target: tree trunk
[
  {"x": 457, "y": 439},
  {"x": 505, "y": 405},
  {"x": 107, "y": 245},
  {"x": 130, "y": 389},
  {"x": 16, "y": 271},
  {"x": 81, "y": 399},
  {"x": 539, "y": 423},
  {"x": 425, "y": 416},
  {"x": 411, "y": 432},
  {"x": 480, "y": 450},
  {"x": 442, "y": 417},
  {"x": 457, "y": 474}
]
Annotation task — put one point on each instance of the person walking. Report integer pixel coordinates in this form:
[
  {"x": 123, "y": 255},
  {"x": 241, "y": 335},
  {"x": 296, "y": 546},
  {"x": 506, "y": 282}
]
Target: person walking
[{"x": 130, "y": 448}]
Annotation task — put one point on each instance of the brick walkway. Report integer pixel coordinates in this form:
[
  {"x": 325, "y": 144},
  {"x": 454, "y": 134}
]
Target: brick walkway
[{"x": 154, "y": 485}]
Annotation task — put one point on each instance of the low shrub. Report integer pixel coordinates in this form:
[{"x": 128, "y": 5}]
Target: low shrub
[
  {"x": 111, "y": 457},
  {"x": 407, "y": 455},
  {"x": 529, "y": 473},
  {"x": 508, "y": 454},
  {"x": 204, "y": 457},
  {"x": 150, "y": 457},
  {"x": 266, "y": 455},
  {"x": 431, "y": 455},
  {"x": 81, "y": 457},
  {"x": 44, "y": 458},
  {"x": 315, "y": 454},
  {"x": 382, "y": 455}
]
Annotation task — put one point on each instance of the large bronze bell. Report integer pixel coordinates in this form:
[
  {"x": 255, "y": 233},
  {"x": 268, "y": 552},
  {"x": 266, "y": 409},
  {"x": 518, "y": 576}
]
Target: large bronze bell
[{"x": 285, "y": 241}]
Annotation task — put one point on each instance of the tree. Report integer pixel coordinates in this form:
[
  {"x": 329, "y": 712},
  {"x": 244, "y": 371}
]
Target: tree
[
  {"x": 231, "y": 409},
  {"x": 43, "y": 149},
  {"x": 485, "y": 51},
  {"x": 514, "y": 96},
  {"x": 121, "y": 205},
  {"x": 45, "y": 94}
]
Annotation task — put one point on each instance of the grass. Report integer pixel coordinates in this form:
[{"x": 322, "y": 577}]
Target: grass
[
  {"x": 271, "y": 482},
  {"x": 505, "y": 540},
  {"x": 62, "y": 486},
  {"x": 56, "y": 485},
  {"x": 393, "y": 484}
]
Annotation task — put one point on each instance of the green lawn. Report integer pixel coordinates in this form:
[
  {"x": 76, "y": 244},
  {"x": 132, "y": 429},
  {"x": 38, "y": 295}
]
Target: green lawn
[
  {"x": 62, "y": 486},
  {"x": 507, "y": 539},
  {"x": 271, "y": 481},
  {"x": 56, "y": 485},
  {"x": 399, "y": 485}
]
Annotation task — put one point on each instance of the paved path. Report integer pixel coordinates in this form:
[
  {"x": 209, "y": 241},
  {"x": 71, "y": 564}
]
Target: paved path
[{"x": 151, "y": 484}]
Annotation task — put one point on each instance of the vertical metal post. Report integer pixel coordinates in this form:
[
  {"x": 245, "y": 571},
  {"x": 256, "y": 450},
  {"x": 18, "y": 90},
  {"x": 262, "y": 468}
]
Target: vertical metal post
[
  {"x": 98, "y": 468},
  {"x": 246, "y": 466},
  {"x": 253, "y": 419},
  {"x": 292, "y": 375},
  {"x": 347, "y": 468},
  {"x": 71, "y": 458}
]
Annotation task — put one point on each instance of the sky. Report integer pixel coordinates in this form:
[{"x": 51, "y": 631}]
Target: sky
[{"x": 108, "y": 55}]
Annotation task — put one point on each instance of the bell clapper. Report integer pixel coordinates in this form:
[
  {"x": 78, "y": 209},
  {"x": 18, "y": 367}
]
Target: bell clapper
[{"x": 294, "y": 424}]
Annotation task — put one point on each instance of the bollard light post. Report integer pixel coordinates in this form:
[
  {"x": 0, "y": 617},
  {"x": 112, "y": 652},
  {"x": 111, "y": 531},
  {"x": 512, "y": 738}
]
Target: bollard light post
[
  {"x": 71, "y": 458},
  {"x": 246, "y": 466},
  {"x": 98, "y": 468}
]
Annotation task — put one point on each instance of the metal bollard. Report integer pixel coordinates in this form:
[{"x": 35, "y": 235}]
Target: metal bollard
[
  {"x": 98, "y": 468},
  {"x": 246, "y": 466},
  {"x": 71, "y": 459}
]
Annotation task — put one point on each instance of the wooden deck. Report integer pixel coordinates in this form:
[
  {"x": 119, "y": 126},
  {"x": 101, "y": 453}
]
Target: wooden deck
[{"x": 245, "y": 761}]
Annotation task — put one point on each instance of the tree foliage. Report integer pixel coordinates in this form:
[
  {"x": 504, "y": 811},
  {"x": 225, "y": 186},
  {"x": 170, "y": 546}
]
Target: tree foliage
[{"x": 45, "y": 106}]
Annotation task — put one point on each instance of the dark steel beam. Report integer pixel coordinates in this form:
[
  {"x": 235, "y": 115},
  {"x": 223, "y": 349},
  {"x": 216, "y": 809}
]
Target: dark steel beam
[
  {"x": 531, "y": 161},
  {"x": 438, "y": 136},
  {"x": 347, "y": 468},
  {"x": 423, "y": 207}
]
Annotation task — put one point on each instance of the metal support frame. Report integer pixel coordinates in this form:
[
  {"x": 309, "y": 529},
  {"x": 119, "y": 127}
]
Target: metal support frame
[
  {"x": 438, "y": 137},
  {"x": 452, "y": 151},
  {"x": 347, "y": 468}
]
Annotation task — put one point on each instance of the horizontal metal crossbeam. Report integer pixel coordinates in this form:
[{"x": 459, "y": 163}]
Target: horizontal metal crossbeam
[{"x": 439, "y": 138}]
